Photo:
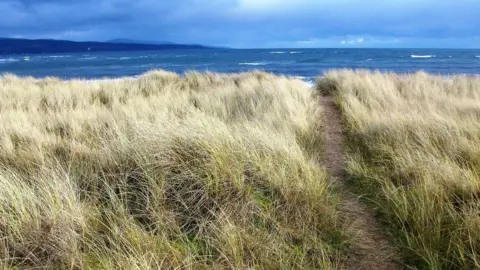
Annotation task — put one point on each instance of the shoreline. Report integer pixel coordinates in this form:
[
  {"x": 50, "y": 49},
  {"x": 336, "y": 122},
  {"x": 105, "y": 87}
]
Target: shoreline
[{"x": 309, "y": 81}]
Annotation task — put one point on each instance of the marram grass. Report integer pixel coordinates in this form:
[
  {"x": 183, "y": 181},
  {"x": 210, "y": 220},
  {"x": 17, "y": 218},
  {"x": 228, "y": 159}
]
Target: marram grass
[
  {"x": 413, "y": 145},
  {"x": 159, "y": 172}
]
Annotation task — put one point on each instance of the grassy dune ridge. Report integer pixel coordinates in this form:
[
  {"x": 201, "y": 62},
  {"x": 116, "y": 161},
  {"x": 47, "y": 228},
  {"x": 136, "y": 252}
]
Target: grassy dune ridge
[
  {"x": 413, "y": 145},
  {"x": 162, "y": 171}
]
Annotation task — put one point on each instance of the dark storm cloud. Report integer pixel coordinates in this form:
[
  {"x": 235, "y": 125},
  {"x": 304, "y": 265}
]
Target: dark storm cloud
[
  {"x": 36, "y": 2},
  {"x": 28, "y": 17},
  {"x": 250, "y": 23}
]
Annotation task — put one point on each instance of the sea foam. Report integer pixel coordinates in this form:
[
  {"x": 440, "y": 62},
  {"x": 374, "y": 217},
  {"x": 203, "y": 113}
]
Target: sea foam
[
  {"x": 8, "y": 60},
  {"x": 253, "y": 64},
  {"x": 422, "y": 56},
  {"x": 58, "y": 56}
]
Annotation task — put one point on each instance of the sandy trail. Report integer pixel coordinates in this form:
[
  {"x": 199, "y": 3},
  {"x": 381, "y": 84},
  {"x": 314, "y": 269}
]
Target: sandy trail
[{"x": 370, "y": 247}]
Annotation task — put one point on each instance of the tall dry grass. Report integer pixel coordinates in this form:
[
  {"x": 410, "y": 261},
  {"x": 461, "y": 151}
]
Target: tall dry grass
[
  {"x": 414, "y": 148},
  {"x": 162, "y": 171}
]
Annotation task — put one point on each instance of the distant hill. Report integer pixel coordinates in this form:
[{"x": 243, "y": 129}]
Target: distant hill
[
  {"x": 132, "y": 41},
  {"x": 22, "y": 46}
]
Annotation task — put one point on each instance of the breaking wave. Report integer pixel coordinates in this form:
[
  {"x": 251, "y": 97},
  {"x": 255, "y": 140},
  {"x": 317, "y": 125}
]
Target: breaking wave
[
  {"x": 253, "y": 64},
  {"x": 8, "y": 60},
  {"x": 58, "y": 56},
  {"x": 311, "y": 60},
  {"x": 422, "y": 56}
]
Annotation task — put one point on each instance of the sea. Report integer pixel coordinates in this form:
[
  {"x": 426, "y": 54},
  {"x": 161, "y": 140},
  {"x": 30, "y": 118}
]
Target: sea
[{"x": 306, "y": 64}]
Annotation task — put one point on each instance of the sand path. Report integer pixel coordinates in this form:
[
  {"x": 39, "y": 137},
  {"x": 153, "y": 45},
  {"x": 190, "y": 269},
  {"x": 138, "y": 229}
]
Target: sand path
[{"x": 370, "y": 247}]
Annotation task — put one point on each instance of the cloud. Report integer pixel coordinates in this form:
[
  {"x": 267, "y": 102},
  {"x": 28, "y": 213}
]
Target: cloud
[
  {"x": 359, "y": 40},
  {"x": 250, "y": 23},
  {"x": 352, "y": 41}
]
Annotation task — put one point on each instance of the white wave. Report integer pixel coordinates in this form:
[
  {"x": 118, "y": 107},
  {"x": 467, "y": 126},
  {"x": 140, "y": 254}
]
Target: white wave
[
  {"x": 422, "y": 56},
  {"x": 27, "y": 58},
  {"x": 477, "y": 56},
  {"x": 295, "y": 52},
  {"x": 88, "y": 58},
  {"x": 310, "y": 84},
  {"x": 8, "y": 60},
  {"x": 59, "y": 56},
  {"x": 368, "y": 60},
  {"x": 253, "y": 64},
  {"x": 277, "y": 52},
  {"x": 309, "y": 81},
  {"x": 181, "y": 55},
  {"x": 130, "y": 57}
]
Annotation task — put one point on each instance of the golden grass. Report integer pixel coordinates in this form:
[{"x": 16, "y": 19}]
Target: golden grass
[
  {"x": 414, "y": 148},
  {"x": 162, "y": 171}
]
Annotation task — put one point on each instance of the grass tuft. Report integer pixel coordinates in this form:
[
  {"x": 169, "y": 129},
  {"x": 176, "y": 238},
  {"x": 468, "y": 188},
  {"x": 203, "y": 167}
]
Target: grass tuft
[
  {"x": 413, "y": 145},
  {"x": 162, "y": 171}
]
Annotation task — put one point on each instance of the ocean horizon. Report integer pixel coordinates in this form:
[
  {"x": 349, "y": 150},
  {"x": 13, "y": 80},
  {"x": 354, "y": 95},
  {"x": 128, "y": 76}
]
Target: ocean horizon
[{"x": 301, "y": 63}]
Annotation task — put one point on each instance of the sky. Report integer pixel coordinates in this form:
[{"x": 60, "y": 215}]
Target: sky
[{"x": 251, "y": 23}]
